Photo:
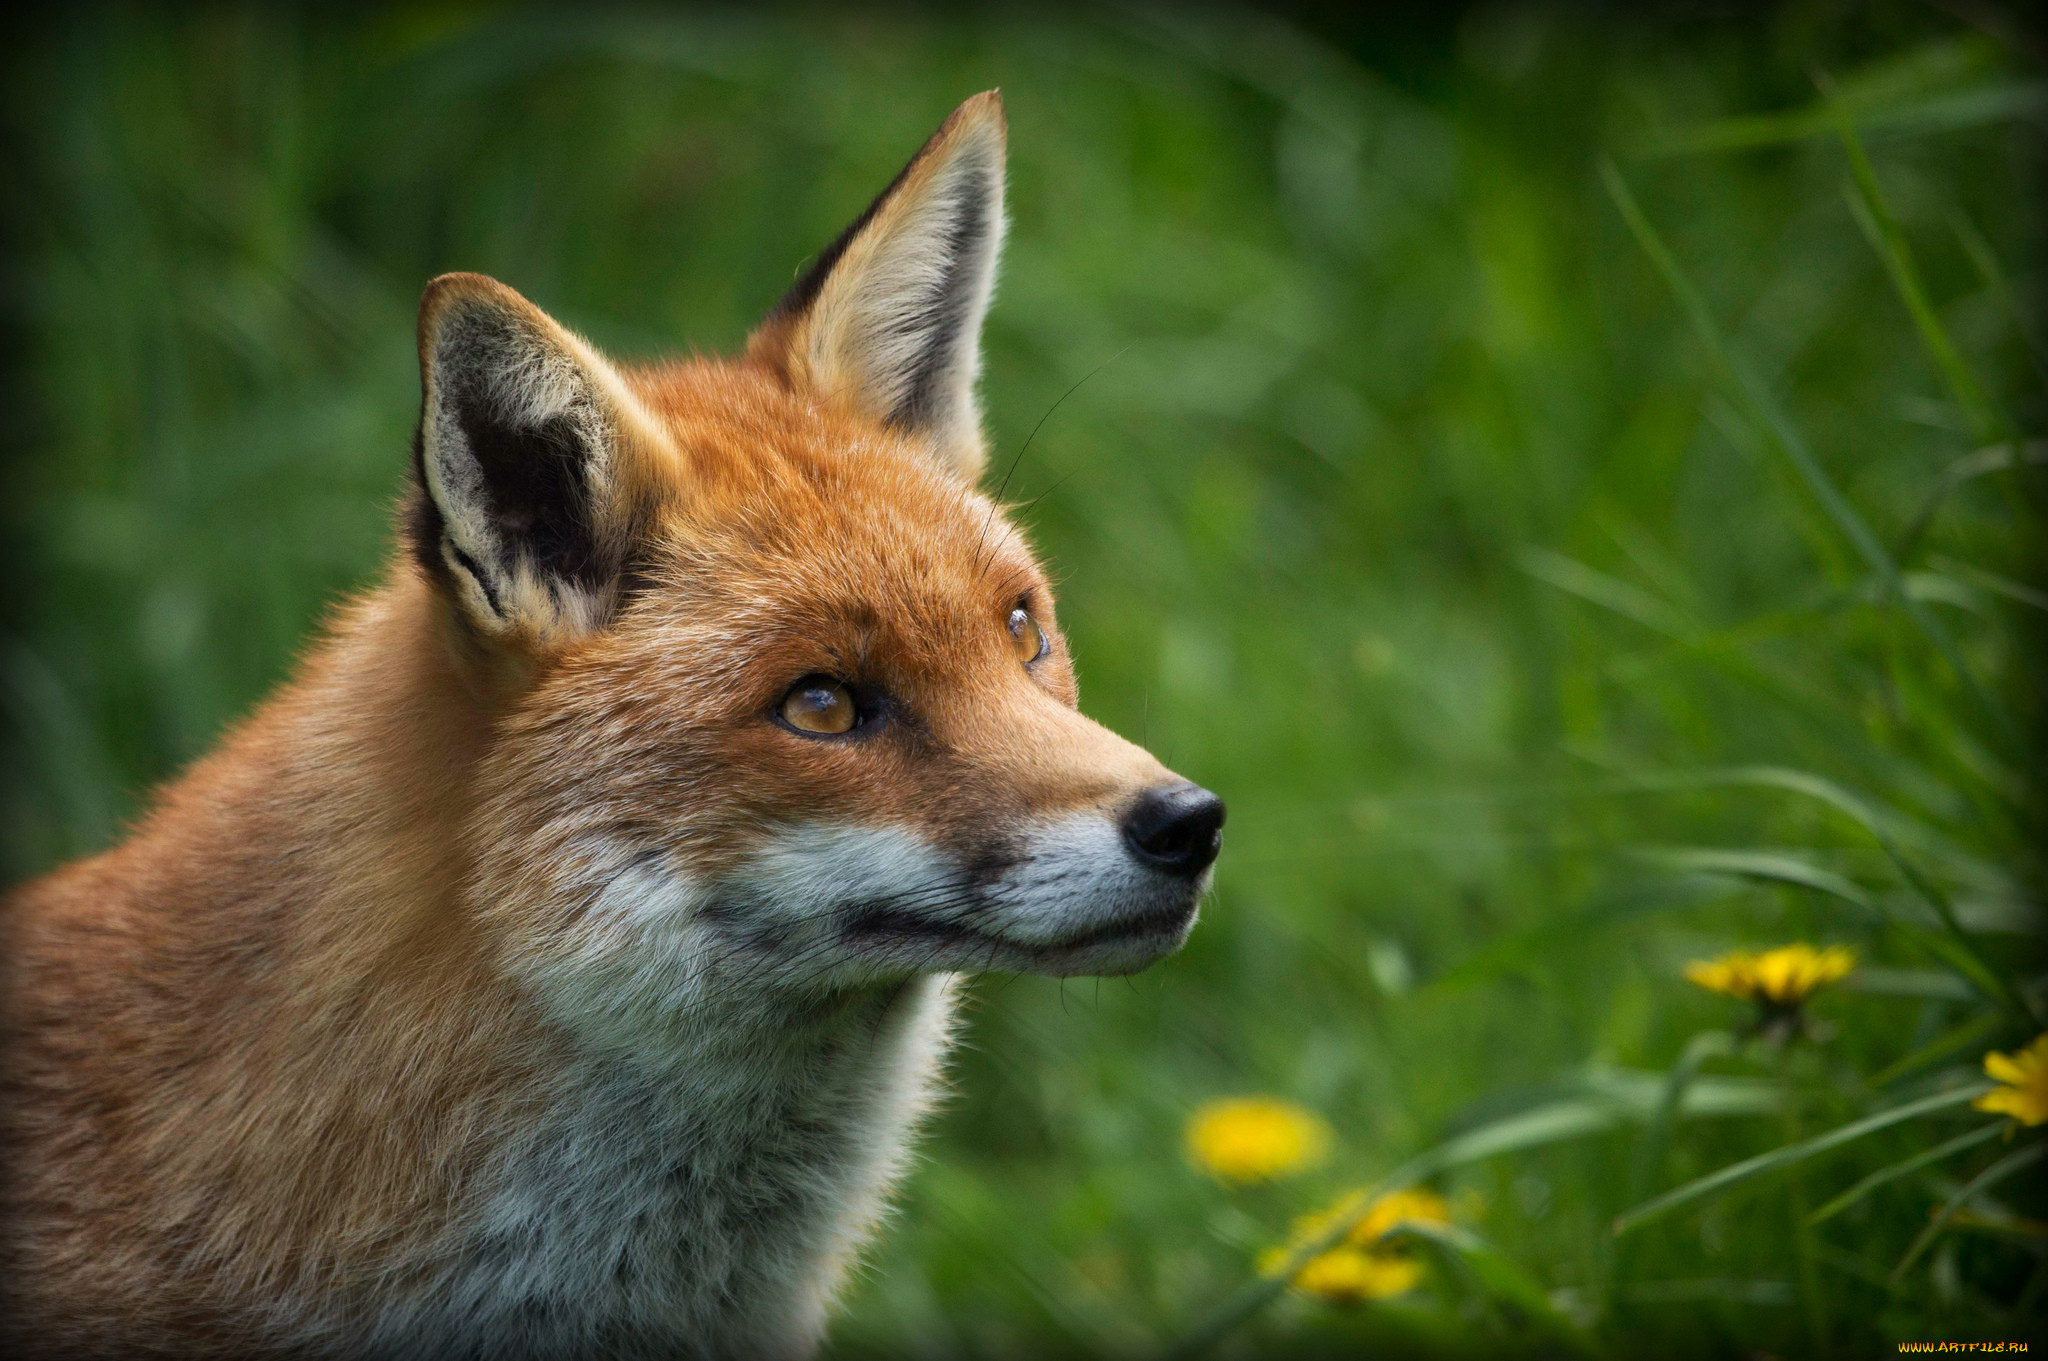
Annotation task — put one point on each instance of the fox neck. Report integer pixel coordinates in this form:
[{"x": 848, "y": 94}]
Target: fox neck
[
  {"x": 656, "y": 1207},
  {"x": 713, "y": 1165}
]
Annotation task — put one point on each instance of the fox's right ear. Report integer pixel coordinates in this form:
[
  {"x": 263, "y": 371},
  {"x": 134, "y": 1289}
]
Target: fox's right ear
[{"x": 521, "y": 511}]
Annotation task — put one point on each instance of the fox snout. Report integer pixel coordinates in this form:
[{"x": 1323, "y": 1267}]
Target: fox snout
[
  {"x": 1108, "y": 887},
  {"x": 1055, "y": 847},
  {"x": 1103, "y": 892},
  {"x": 1108, "y": 894}
]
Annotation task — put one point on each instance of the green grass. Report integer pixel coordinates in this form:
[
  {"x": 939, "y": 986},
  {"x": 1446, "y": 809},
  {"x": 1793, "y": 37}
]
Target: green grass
[{"x": 1532, "y": 473}]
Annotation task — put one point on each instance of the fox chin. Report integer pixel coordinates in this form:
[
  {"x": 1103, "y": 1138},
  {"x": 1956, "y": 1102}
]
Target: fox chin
[{"x": 559, "y": 963}]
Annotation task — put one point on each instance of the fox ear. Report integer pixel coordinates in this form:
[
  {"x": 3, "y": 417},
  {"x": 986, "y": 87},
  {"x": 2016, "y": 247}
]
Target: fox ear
[
  {"x": 889, "y": 317},
  {"x": 518, "y": 511}
]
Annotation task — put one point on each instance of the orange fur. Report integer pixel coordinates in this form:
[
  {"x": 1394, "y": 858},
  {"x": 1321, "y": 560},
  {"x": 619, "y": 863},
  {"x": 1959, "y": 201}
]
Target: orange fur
[{"x": 261, "y": 1053}]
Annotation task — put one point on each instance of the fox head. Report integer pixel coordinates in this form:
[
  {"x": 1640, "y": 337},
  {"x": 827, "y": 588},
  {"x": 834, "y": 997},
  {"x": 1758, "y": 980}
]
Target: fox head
[{"x": 796, "y": 709}]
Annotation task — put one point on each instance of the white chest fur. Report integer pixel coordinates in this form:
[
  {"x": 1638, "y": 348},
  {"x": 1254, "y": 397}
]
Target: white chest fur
[{"x": 705, "y": 1208}]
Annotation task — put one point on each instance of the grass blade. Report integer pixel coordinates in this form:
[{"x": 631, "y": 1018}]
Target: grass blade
[
  {"x": 1992, "y": 583},
  {"x": 1649, "y": 1159},
  {"x": 1976, "y": 1031},
  {"x": 1500, "y": 1276},
  {"x": 1631, "y": 602},
  {"x": 1736, "y": 1173},
  {"x": 2017, "y": 1161},
  {"x": 1611, "y": 910},
  {"x": 1874, "y": 217},
  {"x": 1994, "y": 458},
  {"x": 1886, "y": 1175},
  {"x": 1771, "y": 867},
  {"x": 1989, "y": 103},
  {"x": 1546, "y": 1124},
  {"x": 1764, "y": 410},
  {"x": 1884, "y": 825},
  {"x": 1985, "y": 261}
]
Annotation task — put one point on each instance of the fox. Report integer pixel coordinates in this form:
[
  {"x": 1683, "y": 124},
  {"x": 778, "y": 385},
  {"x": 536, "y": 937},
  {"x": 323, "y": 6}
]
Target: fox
[{"x": 561, "y": 961}]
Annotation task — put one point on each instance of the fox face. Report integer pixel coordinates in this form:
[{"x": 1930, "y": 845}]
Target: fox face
[{"x": 793, "y": 709}]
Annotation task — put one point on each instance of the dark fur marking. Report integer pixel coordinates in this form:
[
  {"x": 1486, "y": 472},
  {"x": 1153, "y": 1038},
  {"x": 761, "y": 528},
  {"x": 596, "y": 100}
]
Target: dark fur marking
[
  {"x": 888, "y": 923},
  {"x": 536, "y": 490},
  {"x": 637, "y": 574},
  {"x": 424, "y": 524},
  {"x": 476, "y": 574},
  {"x": 990, "y": 864}
]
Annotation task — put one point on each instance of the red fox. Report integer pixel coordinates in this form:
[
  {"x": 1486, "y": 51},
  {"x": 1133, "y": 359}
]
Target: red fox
[{"x": 558, "y": 964}]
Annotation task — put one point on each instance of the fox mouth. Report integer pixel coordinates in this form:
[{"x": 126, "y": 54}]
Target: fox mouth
[{"x": 883, "y": 923}]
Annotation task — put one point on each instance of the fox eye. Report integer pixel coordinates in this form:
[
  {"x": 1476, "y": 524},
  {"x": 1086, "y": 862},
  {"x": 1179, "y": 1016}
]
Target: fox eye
[
  {"x": 819, "y": 704},
  {"x": 1027, "y": 640}
]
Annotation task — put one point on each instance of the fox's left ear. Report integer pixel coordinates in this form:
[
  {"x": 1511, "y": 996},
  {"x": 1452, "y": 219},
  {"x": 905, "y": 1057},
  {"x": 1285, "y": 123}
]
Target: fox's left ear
[{"x": 889, "y": 318}]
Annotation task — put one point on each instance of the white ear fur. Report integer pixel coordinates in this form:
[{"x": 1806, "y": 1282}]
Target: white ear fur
[
  {"x": 889, "y": 318},
  {"x": 518, "y": 511}
]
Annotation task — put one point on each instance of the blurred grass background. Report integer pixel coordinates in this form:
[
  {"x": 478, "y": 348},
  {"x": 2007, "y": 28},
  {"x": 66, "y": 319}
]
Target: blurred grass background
[{"x": 1402, "y": 508}]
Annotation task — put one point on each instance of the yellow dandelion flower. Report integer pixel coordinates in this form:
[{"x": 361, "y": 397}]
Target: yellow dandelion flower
[
  {"x": 1780, "y": 978},
  {"x": 1349, "y": 1275},
  {"x": 1396, "y": 1208},
  {"x": 1386, "y": 1214},
  {"x": 2025, "y": 1073},
  {"x": 1359, "y": 1268},
  {"x": 1256, "y": 1138}
]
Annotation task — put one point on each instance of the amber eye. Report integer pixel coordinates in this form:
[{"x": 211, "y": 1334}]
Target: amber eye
[
  {"x": 821, "y": 705},
  {"x": 1027, "y": 640}
]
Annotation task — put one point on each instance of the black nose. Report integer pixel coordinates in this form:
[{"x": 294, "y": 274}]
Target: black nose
[{"x": 1176, "y": 829}]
